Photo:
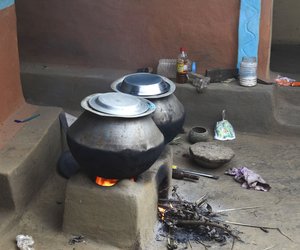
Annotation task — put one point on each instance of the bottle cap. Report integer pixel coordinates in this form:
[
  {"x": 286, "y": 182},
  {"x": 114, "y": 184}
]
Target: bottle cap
[
  {"x": 194, "y": 67},
  {"x": 182, "y": 49}
]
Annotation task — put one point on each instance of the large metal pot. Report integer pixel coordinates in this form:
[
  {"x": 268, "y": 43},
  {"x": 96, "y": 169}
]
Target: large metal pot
[
  {"x": 115, "y": 137},
  {"x": 169, "y": 115}
]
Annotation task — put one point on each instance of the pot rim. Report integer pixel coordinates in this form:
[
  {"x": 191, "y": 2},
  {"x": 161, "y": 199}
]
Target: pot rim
[
  {"x": 117, "y": 83},
  {"x": 85, "y": 105}
]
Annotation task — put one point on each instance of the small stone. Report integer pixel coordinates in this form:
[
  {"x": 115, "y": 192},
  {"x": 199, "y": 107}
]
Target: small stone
[{"x": 210, "y": 154}]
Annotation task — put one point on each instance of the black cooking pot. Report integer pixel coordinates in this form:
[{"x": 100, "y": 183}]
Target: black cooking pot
[
  {"x": 169, "y": 115},
  {"x": 115, "y": 138}
]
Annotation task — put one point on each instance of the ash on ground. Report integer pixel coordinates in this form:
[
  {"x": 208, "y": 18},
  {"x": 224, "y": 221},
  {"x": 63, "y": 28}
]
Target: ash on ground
[{"x": 183, "y": 222}]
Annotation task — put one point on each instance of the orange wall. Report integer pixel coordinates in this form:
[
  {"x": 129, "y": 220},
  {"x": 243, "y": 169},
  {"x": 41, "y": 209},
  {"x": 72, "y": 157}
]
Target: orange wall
[
  {"x": 10, "y": 88},
  {"x": 133, "y": 33}
]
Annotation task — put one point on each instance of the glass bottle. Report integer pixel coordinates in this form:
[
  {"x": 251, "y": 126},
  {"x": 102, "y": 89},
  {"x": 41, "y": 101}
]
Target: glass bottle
[{"x": 183, "y": 66}]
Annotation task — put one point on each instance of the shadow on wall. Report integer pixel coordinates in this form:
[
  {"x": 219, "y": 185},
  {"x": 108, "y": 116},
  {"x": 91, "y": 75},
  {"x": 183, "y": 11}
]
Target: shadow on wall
[{"x": 285, "y": 53}]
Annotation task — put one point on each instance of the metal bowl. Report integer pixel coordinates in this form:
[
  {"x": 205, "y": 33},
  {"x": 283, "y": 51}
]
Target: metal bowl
[
  {"x": 116, "y": 104},
  {"x": 145, "y": 85}
]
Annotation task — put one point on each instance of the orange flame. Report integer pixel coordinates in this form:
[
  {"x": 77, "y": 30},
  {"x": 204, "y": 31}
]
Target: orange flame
[
  {"x": 106, "y": 182},
  {"x": 162, "y": 211}
]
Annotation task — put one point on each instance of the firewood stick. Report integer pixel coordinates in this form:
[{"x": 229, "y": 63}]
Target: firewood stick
[
  {"x": 161, "y": 201},
  {"x": 234, "y": 209},
  {"x": 205, "y": 223},
  {"x": 233, "y": 241},
  {"x": 255, "y": 226},
  {"x": 201, "y": 200}
]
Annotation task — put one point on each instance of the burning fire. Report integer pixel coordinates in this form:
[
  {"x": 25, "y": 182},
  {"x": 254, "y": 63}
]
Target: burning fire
[
  {"x": 161, "y": 211},
  {"x": 106, "y": 182}
]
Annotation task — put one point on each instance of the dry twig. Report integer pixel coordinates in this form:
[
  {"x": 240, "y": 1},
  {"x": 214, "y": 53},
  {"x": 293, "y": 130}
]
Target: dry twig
[
  {"x": 261, "y": 227},
  {"x": 235, "y": 209},
  {"x": 233, "y": 241},
  {"x": 194, "y": 221}
]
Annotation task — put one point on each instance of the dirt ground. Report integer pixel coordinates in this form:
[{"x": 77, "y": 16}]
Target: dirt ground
[{"x": 276, "y": 159}]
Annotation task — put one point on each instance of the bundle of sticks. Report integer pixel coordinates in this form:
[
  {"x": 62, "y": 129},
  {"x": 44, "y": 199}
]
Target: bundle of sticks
[{"x": 185, "y": 221}]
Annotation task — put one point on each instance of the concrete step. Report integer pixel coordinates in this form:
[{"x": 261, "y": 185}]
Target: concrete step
[
  {"x": 288, "y": 114},
  {"x": 262, "y": 109},
  {"x": 63, "y": 85},
  {"x": 247, "y": 109},
  {"x": 287, "y": 103},
  {"x": 27, "y": 159},
  {"x": 8, "y": 219}
]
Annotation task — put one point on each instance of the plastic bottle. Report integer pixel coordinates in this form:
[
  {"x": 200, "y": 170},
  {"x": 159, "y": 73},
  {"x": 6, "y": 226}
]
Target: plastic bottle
[
  {"x": 248, "y": 71},
  {"x": 183, "y": 66}
]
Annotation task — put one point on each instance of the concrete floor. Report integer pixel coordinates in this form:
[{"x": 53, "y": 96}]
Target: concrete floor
[
  {"x": 267, "y": 142},
  {"x": 277, "y": 159}
]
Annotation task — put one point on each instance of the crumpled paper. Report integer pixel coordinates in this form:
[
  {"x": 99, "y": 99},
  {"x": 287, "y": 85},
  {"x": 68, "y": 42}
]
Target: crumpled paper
[
  {"x": 25, "y": 242},
  {"x": 284, "y": 81},
  {"x": 249, "y": 179}
]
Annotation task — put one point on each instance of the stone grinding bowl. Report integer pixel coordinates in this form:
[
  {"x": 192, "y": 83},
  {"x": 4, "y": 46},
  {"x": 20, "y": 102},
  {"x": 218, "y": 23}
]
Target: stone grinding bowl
[
  {"x": 198, "y": 134},
  {"x": 210, "y": 154}
]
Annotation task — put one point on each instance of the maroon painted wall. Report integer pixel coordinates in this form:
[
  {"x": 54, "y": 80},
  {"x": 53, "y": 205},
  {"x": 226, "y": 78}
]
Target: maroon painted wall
[
  {"x": 11, "y": 96},
  {"x": 127, "y": 34},
  {"x": 133, "y": 33}
]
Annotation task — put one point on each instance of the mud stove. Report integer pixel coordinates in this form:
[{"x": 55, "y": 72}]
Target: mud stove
[{"x": 123, "y": 215}]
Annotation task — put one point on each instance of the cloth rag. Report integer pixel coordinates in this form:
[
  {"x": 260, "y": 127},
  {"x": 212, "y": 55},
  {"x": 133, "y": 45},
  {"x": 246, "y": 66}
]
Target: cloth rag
[
  {"x": 25, "y": 242},
  {"x": 249, "y": 179}
]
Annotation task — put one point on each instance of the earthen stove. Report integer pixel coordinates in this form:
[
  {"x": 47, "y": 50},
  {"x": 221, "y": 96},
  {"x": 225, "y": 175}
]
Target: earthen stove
[{"x": 123, "y": 215}]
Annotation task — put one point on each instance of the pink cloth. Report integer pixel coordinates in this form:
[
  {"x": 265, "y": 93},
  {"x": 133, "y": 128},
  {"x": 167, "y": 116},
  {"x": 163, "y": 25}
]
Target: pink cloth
[{"x": 249, "y": 179}]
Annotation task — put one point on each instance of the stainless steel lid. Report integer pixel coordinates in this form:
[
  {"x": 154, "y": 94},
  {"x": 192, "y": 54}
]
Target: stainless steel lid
[
  {"x": 117, "y": 105},
  {"x": 145, "y": 85}
]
